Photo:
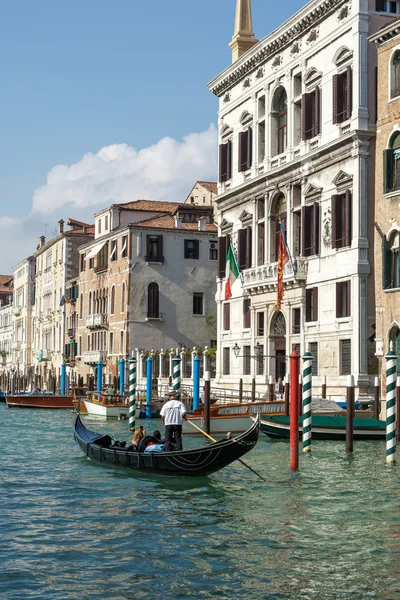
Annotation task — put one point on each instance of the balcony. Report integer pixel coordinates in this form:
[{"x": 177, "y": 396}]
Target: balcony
[
  {"x": 266, "y": 276},
  {"x": 158, "y": 260},
  {"x": 92, "y": 357},
  {"x": 98, "y": 321},
  {"x": 17, "y": 311},
  {"x": 101, "y": 268}
]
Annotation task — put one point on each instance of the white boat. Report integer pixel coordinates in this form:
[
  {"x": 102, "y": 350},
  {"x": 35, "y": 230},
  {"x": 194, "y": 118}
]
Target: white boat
[
  {"x": 107, "y": 406},
  {"x": 232, "y": 417}
]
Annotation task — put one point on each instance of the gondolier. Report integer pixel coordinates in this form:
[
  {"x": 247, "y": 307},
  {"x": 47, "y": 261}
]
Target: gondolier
[{"x": 172, "y": 413}]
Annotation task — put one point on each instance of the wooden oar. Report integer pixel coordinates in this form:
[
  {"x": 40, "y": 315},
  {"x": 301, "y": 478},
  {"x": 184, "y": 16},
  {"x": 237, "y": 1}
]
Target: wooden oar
[{"x": 214, "y": 440}]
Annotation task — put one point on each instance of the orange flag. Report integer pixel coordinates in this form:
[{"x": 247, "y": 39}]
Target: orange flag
[{"x": 283, "y": 258}]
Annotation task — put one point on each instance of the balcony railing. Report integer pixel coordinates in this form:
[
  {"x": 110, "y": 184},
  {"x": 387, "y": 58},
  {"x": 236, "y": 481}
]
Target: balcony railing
[
  {"x": 154, "y": 259},
  {"x": 92, "y": 357},
  {"x": 267, "y": 275},
  {"x": 101, "y": 268},
  {"x": 97, "y": 321}
]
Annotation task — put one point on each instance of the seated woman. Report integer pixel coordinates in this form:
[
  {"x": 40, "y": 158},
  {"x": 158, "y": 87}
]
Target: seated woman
[{"x": 137, "y": 437}]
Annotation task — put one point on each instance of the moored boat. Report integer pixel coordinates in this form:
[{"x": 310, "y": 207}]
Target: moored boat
[
  {"x": 39, "y": 400},
  {"x": 325, "y": 427},
  {"x": 106, "y": 406},
  {"x": 188, "y": 463}
]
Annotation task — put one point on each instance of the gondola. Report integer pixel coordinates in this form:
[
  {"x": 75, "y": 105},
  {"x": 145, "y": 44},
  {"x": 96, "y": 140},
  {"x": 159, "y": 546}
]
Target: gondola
[{"x": 186, "y": 463}]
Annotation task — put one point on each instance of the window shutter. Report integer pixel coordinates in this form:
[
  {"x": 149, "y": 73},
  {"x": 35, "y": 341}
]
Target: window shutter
[
  {"x": 249, "y": 147},
  {"x": 303, "y": 116},
  {"x": 242, "y": 253},
  {"x": 229, "y": 159},
  {"x": 308, "y": 305},
  {"x": 316, "y": 101},
  {"x": 349, "y": 92},
  {"x": 387, "y": 171},
  {"x": 386, "y": 265},
  {"x": 222, "y": 162},
  {"x": 335, "y": 99},
  {"x": 160, "y": 246},
  {"x": 196, "y": 248},
  {"x": 348, "y": 292},
  {"x": 306, "y": 230},
  {"x": 249, "y": 238},
  {"x": 380, "y": 5},
  {"x": 347, "y": 225},
  {"x": 315, "y": 304},
  {"x": 335, "y": 202},
  {"x": 339, "y": 307},
  {"x": 315, "y": 228},
  {"x": 222, "y": 256},
  {"x": 242, "y": 156}
]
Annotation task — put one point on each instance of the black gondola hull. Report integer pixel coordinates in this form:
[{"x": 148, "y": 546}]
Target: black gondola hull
[{"x": 186, "y": 463}]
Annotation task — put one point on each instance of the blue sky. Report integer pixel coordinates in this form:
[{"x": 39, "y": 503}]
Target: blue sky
[{"x": 81, "y": 75}]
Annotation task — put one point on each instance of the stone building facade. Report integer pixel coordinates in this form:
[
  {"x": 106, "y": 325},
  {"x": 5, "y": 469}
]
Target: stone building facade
[
  {"x": 6, "y": 329},
  {"x": 387, "y": 193},
  {"x": 202, "y": 193},
  {"x": 297, "y": 153},
  {"x": 24, "y": 287}
]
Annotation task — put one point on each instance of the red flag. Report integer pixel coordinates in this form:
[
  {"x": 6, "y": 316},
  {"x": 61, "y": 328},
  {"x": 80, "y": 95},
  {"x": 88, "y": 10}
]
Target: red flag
[{"x": 283, "y": 258}]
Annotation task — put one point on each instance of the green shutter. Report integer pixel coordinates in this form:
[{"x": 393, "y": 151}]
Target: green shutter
[
  {"x": 386, "y": 265},
  {"x": 387, "y": 171}
]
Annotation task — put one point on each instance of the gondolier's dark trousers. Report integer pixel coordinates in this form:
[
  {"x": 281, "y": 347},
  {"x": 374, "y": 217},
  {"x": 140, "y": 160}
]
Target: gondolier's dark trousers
[{"x": 173, "y": 433}]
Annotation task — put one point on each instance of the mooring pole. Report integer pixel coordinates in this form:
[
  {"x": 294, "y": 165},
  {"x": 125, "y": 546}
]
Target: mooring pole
[
  {"x": 287, "y": 391},
  {"x": 376, "y": 398},
  {"x": 122, "y": 377},
  {"x": 398, "y": 404},
  {"x": 176, "y": 367},
  {"x": 391, "y": 359},
  {"x": 270, "y": 388},
  {"x": 132, "y": 393},
  {"x": 253, "y": 389},
  {"x": 99, "y": 377},
  {"x": 63, "y": 379},
  {"x": 323, "y": 391},
  {"x": 149, "y": 385},
  {"x": 240, "y": 390},
  {"x": 307, "y": 380},
  {"x": 196, "y": 382},
  {"x": 294, "y": 410},
  {"x": 349, "y": 413},
  {"x": 300, "y": 394},
  {"x": 207, "y": 391}
]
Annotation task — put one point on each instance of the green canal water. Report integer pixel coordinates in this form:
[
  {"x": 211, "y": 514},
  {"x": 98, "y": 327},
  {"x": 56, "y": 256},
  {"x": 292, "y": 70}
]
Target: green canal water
[{"x": 71, "y": 529}]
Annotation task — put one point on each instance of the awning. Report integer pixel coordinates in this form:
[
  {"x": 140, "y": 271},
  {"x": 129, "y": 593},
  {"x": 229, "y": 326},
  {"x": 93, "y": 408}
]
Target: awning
[
  {"x": 124, "y": 244},
  {"x": 94, "y": 251}
]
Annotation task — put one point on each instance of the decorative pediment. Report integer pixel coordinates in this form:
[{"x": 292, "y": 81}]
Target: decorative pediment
[
  {"x": 342, "y": 56},
  {"x": 312, "y": 77},
  {"x": 226, "y": 225},
  {"x": 312, "y": 192},
  {"x": 246, "y": 118},
  {"x": 342, "y": 179},
  {"x": 245, "y": 216}
]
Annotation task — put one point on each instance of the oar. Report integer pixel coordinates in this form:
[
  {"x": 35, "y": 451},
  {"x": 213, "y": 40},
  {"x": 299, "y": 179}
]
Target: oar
[{"x": 214, "y": 440}]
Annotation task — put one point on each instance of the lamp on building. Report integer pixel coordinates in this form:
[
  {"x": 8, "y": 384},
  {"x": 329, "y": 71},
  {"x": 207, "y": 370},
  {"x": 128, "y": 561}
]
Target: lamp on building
[{"x": 258, "y": 352}]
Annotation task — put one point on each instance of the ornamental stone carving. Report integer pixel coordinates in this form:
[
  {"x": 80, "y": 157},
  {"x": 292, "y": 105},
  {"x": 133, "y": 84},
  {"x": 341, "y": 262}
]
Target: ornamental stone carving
[
  {"x": 327, "y": 228},
  {"x": 277, "y": 61},
  {"x": 343, "y": 12},
  {"x": 260, "y": 73},
  {"x": 312, "y": 36},
  {"x": 246, "y": 83},
  {"x": 227, "y": 97},
  {"x": 295, "y": 49}
]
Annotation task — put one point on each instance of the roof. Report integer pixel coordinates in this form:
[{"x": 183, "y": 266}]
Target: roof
[
  {"x": 90, "y": 230},
  {"x": 168, "y": 222},
  {"x": 4, "y": 279},
  {"x": 75, "y": 223},
  {"x": 210, "y": 186},
  {"x": 6, "y": 288},
  {"x": 149, "y": 206}
]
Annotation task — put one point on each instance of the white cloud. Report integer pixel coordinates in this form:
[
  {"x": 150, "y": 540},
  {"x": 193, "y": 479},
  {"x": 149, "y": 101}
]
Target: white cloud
[
  {"x": 119, "y": 173},
  {"x": 6, "y": 222}
]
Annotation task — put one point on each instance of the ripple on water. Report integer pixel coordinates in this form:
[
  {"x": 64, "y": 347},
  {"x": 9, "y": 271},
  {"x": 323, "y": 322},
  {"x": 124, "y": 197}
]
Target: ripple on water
[{"x": 72, "y": 529}]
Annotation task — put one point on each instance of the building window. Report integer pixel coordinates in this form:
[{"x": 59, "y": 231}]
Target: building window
[
  {"x": 111, "y": 343},
  {"x": 311, "y": 305},
  {"x": 198, "y": 304},
  {"x": 391, "y": 261},
  {"x": 279, "y": 218},
  {"x": 296, "y": 315},
  {"x": 81, "y": 307},
  {"x": 342, "y": 96},
  {"x": 281, "y": 121},
  {"x": 341, "y": 220},
  {"x": 244, "y": 248},
  {"x": 310, "y": 230},
  {"x": 112, "y": 306},
  {"x": 245, "y": 150},
  {"x": 99, "y": 226},
  {"x": 153, "y": 301},
  {"x": 395, "y": 75},
  {"x": 246, "y": 360},
  {"x": 260, "y": 324},
  {"x": 90, "y": 303},
  {"x": 154, "y": 252},
  {"x": 192, "y": 249},
  {"x": 314, "y": 352},
  {"x": 343, "y": 299},
  {"x": 113, "y": 255},
  {"x": 259, "y": 354},
  {"x": 121, "y": 342},
  {"x": 310, "y": 114},
  {"x": 391, "y": 165},
  {"x": 83, "y": 263},
  {"x": 227, "y": 316},
  {"x": 345, "y": 357},
  {"x": 106, "y": 223},
  {"x": 246, "y": 313},
  {"x": 223, "y": 245},
  {"x": 91, "y": 263},
  {"x": 124, "y": 249},
  {"x": 387, "y": 6},
  {"x": 213, "y": 251},
  {"x": 226, "y": 366},
  {"x": 123, "y": 299},
  {"x": 225, "y": 161}
]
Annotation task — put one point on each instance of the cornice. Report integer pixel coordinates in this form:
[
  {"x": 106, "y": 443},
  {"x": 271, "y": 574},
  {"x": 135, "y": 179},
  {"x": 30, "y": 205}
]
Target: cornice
[
  {"x": 271, "y": 45},
  {"x": 386, "y": 34}
]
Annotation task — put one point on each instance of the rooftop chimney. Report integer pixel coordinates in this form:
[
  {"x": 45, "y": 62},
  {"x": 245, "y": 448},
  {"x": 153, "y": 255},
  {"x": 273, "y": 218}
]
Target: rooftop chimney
[
  {"x": 178, "y": 223},
  {"x": 42, "y": 241},
  {"x": 61, "y": 226},
  {"x": 85, "y": 229},
  {"x": 202, "y": 223}
]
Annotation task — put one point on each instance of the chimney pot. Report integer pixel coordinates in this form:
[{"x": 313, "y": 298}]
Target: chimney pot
[
  {"x": 85, "y": 229},
  {"x": 42, "y": 241},
  {"x": 202, "y": 224},
  {"x": 61, "y": 226},
  {"x": 178, "y": 223}
]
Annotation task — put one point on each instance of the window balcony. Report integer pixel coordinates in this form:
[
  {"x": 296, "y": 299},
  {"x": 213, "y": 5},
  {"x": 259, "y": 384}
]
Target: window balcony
[
  {"x": 101, "y": 268},
  {"x": 154, "y": 259},
  {"x": 97, "y": 321},
  {"x": 266, "y": 276},
  {"x": 92, "y": 357}
]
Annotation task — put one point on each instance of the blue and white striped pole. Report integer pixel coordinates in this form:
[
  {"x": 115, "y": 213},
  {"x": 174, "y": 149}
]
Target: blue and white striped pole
[
  {"x": 132, "y": 393},
  {"x": 196, "y": 382},
  {"x": 149, "y": 384},
  {"x": 391, "y": 376},
  {"x": 307, "y": 379},
  {"x": 176, "y": 376},
  {"x": 122, "y": 377},
  {"x": 99, "y": 376},
  {"x": 63, "y": 379}
]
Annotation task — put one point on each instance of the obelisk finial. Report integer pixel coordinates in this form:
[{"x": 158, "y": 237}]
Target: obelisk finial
[{"x": 243, "y": 36}]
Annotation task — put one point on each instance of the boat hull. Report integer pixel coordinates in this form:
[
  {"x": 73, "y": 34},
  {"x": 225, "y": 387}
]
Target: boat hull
[
  {"x": 37, "y": 401},
  {"x": 186, "y": 463},
  {"x": 105, "y": 411},
  {"x": 325, "y": 427}
]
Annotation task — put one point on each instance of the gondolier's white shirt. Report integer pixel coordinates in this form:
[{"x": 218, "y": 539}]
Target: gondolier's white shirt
[{"x": 173, "y": 411}]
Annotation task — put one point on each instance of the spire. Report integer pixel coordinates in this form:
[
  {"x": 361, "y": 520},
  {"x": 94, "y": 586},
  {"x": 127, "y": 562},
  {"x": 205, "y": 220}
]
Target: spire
[{"x": 243, "y": 36}]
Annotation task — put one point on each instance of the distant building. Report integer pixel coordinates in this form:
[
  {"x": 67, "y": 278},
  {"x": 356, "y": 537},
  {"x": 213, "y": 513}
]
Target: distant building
[
  {"x": 24, "y": 287},
  {"x": 387, "y": 193},
  {"x": 203, "y": 193},
  {"x": 6, "y": 330}
]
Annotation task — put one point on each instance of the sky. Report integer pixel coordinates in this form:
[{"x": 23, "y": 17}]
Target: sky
[{"x": 106, "y": 102}]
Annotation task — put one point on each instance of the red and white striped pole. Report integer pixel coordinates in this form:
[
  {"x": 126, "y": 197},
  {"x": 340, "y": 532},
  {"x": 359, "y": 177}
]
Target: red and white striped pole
[{"x": 294, "y": 410}]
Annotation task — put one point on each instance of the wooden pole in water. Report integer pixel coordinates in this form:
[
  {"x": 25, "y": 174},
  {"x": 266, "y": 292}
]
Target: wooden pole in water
[
  {"x": 207, "y": 402},
  {"x": 294, "y": 410},
  {"x": 270, "y": 389},
  {"x": 287, "y": 391},
  {"x": 240, "y": 390},
  {"x": 323, "y": 392},
  {"x": 376, "y": 400},
  {"x": 253, "y": 389},
  {"x": 349, "y": 413}
]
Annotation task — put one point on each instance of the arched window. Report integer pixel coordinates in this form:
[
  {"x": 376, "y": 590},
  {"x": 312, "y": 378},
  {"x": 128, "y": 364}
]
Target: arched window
[
  {"x": 123, "y": 298},
  {"x": 391, "y": 261},
  {"x": 279, "y": 121},
  {"x": 278, "y": 217},
  {"x": 394, "y": 336},
  {"x": 391, "y": 165},
  {"x": 153, "y": 301},
  {"x": 112, "y": 307},
  {"x": 90, "y": 303},
  {"x": 395, "y": 75}
]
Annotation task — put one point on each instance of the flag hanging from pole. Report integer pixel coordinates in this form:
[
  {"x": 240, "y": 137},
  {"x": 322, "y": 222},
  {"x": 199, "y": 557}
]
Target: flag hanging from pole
[
  {"x": 232, "y": 271},
  {"x": 283, "y": 259}
]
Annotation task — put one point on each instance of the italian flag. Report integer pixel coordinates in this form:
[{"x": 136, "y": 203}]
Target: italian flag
[{"x": 232, "y": 271}]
